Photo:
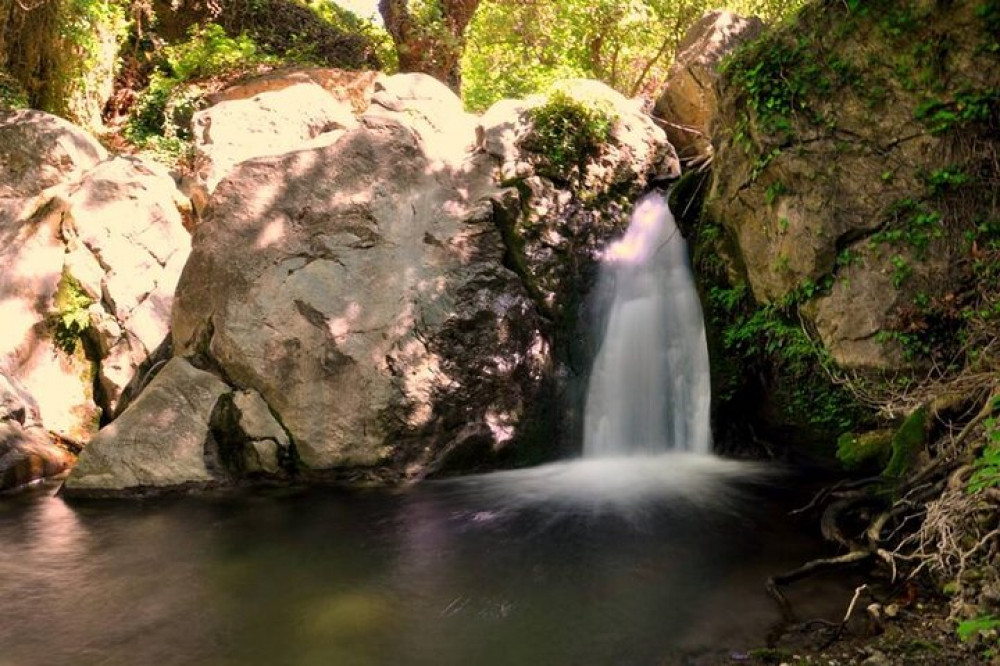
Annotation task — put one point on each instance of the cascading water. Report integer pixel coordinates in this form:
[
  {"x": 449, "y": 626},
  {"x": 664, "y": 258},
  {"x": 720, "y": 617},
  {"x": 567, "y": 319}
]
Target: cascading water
[
  {"x": 647, "y": 437},
  {"x": 649, "y": 389}
]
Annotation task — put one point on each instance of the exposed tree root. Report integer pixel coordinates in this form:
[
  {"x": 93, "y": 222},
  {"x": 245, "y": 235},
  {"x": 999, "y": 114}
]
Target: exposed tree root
[{"x": 927, "y": 523}]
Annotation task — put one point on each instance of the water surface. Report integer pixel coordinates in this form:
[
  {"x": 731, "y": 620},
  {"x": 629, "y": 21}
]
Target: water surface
[{"x": 443, "y": 574}]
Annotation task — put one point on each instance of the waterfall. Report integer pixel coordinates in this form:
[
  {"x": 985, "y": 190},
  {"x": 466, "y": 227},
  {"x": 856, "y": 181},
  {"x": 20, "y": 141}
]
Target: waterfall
[
  {"x": 647, "y": 439},
  {"x": 649, "y": 390}
]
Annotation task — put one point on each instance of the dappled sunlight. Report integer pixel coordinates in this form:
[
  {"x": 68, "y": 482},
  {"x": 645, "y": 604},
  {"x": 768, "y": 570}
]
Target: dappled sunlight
[
  {"x": 502, "y": 425},
  {"x": 340, "y": 327},
  {"x": 273, "y": 233}
]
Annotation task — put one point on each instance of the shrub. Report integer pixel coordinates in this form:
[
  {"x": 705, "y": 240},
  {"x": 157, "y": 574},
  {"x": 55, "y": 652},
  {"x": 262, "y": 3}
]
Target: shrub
[{"x": 566, "y": 132}]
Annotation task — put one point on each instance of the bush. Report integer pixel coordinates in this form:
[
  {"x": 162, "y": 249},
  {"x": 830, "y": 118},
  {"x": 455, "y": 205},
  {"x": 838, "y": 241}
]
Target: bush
[
  {"x": 161, "y": 118},
  {"x": 566, "y": 132}
]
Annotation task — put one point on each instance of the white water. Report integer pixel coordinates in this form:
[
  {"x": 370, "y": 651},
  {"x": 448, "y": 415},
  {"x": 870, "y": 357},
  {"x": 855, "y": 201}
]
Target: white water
[
  {"x": 647, "y": 436},
  {"x": 649, "y": 390}
]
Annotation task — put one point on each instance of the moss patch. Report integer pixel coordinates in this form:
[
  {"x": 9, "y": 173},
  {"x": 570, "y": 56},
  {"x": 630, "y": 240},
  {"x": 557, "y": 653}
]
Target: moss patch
[
  {"x": 855, "y": 451},
  {"x": 907, "y": 442},
  {"x": 70, "y": 317}
]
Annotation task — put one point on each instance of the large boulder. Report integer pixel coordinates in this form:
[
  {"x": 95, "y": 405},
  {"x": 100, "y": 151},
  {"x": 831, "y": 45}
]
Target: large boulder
[
  {"x": 689, "y": 100},
  {"x": 855, "y": 176},
  {"x": 90, "y": 265},
  {"x": 367, "y": 304},
  {"x": 358, "y": 287},
  {"x": 559, "y": 222}
]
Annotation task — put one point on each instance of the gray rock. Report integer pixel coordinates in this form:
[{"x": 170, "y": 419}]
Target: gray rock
[
  {"x": 163, "y": 439},
  {"x": 358, "y": 287}
]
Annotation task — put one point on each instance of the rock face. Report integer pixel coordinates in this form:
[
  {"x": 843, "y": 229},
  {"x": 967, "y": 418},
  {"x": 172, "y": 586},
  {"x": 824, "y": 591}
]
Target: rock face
[
  {"x": 27, "y": 451},
  {"x": 91, "y": 250},
  {"x": 358, "y": 288},
  {"x": 850, "y": 183},
  {"x": 552, "y": 218},
  {"x": 271, "y": 115},
  {"x": 689, "y": 100},
  {"x": 356, "y": 295}
]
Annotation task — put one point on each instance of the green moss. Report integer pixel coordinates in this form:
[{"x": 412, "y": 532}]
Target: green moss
[
  {"x": 566, "y": 132},
  {"x": 769, "y": 339},
  {"x": 907, "y": 442},
  {"x": 859, "y": 450},
  {"x": 70, "y": 317}
]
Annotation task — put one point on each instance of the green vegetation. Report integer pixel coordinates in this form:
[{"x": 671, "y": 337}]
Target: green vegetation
[
  {"x": 518, "y": 48},
  {"x": 566, "y": 132},
  {"x": 160, "y": 120},
  {"x": 986, "y": 467},
  {"x": 873, "y": 448},
  {"x": 967, "y": 107},
  {"x": 12, "y": 94},
  {"x": 62, "y": 53},
  {"x": 768, "y": 339},
  {"x": 907, "y": 442},
  {"x": 983, "y": 628},
  {"x": 70, "y": 317}
]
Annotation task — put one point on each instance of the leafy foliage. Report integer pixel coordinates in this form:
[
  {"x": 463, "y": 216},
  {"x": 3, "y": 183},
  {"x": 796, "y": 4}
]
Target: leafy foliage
[
  {"x": 767, "y": 339},
  {"x": 518, "y": 48},
  {"x": 161, "y": 116},
  {"x": 12, "y": 94},
  {"x": 972, "y": 628},
  {"x": 566, "y": 131},
  {"x": 986, "y": 472},
  {"x": 70, "y": 316}
]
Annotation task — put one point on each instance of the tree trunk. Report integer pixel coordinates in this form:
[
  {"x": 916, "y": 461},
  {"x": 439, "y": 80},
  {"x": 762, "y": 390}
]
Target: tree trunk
[{"x": 431, "y": 44}]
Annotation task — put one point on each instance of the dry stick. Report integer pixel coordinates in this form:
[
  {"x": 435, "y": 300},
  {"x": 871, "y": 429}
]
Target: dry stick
[
  {"x": 808, "y": 569},
  {"x": 847, "y": 616}
]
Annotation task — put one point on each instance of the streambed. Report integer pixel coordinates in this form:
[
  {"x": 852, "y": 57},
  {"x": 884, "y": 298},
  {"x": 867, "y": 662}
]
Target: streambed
[{"x": 440, "y": 574}]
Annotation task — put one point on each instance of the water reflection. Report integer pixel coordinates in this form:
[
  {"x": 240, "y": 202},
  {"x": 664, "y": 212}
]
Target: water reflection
[{"x": 441, "y": 575}]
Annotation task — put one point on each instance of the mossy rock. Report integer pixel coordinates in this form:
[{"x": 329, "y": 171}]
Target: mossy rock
[
  {"x": 869, "y": 449},
  {"x": 907, "y": 443}
]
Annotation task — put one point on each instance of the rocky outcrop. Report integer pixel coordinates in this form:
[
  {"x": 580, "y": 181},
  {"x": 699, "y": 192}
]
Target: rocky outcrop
[
  {"x": 689, "y": 101},
  {"x": 91, "y": 250},
  {"x": 363, "y": 299},
  {"x": 851, "y": 171},
  {"x": 27, "y": 452},
  {"x": 358, "y": 288},
  {"x": 270, "y": 115},
  {"x": 554, "y": 218}
]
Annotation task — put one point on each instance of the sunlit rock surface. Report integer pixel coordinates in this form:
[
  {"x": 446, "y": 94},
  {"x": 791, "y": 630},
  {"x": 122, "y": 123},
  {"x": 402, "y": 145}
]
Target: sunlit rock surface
[
  {"x": 110, "y": 232},
  {"x": 359, "y": 288},
  {"x": 689, "y": 100},
  {"x": 27, "y": 451},
  {"x": 160, "y": 440}
]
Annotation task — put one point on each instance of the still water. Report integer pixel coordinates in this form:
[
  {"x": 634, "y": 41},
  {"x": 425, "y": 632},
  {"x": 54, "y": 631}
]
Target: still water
[{"x": 438, "y": 575}]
